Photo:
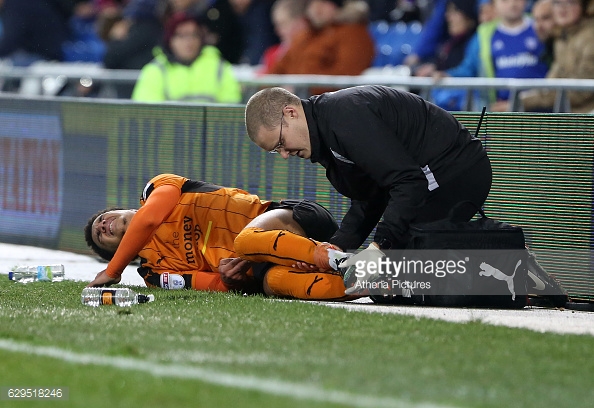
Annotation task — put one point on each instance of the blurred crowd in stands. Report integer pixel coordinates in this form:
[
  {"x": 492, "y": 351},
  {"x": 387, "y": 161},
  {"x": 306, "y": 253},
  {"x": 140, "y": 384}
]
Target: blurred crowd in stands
[{"x": 185, "y": 49}]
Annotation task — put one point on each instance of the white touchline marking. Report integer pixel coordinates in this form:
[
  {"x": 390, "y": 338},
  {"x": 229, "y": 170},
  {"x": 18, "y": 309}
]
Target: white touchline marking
[{"x": 265, "y": 385}]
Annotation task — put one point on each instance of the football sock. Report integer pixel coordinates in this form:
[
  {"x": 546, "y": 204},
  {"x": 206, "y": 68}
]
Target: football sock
[
  {"x": 285, "y": 248},
  {"x": 288, "y": 282},
  {"x": 327, "y": 257}
]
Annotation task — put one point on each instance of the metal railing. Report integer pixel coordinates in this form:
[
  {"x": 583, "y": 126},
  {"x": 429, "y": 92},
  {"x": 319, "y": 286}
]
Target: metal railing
[{"x": 46, "y": 78}]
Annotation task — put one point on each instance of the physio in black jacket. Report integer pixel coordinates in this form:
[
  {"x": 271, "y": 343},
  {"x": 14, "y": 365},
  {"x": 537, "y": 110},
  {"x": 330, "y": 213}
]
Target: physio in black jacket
[{"x": 391, "y": 152}]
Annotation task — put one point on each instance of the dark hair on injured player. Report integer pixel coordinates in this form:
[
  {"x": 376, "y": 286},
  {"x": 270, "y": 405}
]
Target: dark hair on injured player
[{"x": 105, "y": 254}]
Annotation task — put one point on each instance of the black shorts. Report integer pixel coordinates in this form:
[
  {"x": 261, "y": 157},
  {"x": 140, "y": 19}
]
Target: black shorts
[{"x": 317, "y": 222}]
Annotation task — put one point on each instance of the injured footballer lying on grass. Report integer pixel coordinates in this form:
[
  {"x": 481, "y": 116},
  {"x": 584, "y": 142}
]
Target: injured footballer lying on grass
[{"x": 196, "y": 235}]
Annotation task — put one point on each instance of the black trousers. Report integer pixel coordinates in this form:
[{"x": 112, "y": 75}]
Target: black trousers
[{"x": 459, "y": 197}]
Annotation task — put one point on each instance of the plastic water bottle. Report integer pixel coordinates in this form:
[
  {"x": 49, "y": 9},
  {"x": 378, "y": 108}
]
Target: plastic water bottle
[
  {"x": 114, "y": 296},
  {"x": 44, "y": 273}
]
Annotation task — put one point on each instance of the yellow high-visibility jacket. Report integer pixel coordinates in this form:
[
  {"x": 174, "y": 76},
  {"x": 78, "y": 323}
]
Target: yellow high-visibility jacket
[{"x": 209, "y": 78}]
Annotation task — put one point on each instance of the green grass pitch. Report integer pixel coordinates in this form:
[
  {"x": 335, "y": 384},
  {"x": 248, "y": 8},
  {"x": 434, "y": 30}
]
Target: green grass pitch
[{"x": 193, "y": 349}]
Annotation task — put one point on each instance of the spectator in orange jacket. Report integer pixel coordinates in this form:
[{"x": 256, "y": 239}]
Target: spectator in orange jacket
[
  {"x": 288, "y": 18},
  {"x": 338, "y": 42}
]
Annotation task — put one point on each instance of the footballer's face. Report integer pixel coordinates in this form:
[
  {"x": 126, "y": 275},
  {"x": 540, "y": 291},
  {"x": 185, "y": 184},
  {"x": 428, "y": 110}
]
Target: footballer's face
[
  {"x": 110, "y": 227},
  {"x": 290, "y": 137}
]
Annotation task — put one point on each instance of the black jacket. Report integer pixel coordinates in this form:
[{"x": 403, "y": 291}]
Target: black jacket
[
  {"x": 37, "y": 27},
  {"x": 374, "y": 142},
  {"x": 136, "y": 50}
]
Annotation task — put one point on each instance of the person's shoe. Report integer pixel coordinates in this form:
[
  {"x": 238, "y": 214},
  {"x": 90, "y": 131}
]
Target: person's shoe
[
  {"x": 541, "y": 285},
  {"x": 328, "y": 257}
]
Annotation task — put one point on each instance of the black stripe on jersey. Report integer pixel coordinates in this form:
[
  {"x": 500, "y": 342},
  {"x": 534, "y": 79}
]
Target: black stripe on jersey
[
  {"x": 147, "y": 274},
  {"x": 148, "y": 189},
  {"x": 194, "y": 186},
  {"x": 154, "y": 278}
]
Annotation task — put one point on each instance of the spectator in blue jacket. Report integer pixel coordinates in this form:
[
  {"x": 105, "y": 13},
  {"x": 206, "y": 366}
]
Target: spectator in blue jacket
[
  {"x": 434, "y": 33},
  {"x": 507, "y": 47},
  {"x": 461, "y": 16}
]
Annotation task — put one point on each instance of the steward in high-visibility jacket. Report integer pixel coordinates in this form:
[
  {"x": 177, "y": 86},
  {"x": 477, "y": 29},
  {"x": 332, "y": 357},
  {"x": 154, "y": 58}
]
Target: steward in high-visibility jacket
[{"x": 171, "y": 76}]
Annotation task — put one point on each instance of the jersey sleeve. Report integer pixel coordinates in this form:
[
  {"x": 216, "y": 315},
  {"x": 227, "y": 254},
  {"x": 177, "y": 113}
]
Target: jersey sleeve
[
  {"x": 162, "y": 180},
  {"x": 144, "y": 223},
  {"x": 193, "y": 279}
]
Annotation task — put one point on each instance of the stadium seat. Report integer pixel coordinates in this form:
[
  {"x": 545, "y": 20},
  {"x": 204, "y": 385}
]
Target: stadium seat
[{"x": 393, "y": 41}]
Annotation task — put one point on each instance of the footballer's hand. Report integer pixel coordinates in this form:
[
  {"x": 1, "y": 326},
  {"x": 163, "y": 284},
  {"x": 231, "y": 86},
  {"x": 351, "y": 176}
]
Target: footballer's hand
[
  {"x": 304, "y": 266},
  {"x": 234, "y": 271},
  {"x": 102, "y": 279}
]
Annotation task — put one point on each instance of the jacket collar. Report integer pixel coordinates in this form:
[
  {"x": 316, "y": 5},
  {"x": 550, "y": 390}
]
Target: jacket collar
[{"x": 314, "y": 136}]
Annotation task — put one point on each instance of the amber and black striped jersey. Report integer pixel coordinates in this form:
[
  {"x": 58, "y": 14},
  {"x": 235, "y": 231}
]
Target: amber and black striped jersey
[
  {"x": 201, "y": 229},
  {"x": 198, "y": 223}
]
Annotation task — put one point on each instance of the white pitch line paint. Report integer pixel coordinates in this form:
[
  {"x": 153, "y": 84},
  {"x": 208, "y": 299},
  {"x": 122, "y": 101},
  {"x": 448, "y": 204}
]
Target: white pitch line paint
[
  {"x": 535, "y": 319},
  {"x": 252, "y": 383}
]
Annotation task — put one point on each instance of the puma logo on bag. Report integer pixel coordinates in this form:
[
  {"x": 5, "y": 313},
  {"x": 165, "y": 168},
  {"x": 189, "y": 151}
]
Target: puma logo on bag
[{"x": 488, "y": 270}]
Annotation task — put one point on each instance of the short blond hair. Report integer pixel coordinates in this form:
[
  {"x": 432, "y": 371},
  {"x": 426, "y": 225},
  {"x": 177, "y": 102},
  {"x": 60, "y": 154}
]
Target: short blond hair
[{"x": 265, "y": 107}]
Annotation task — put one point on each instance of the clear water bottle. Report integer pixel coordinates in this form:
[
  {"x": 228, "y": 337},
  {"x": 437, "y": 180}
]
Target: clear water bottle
[
  {"x": 113, "y": 296},
  {"x": 44, "y": 273}
]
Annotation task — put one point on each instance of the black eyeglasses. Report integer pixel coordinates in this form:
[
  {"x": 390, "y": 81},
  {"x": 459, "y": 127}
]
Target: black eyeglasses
[{"x": 281, "y": 142}]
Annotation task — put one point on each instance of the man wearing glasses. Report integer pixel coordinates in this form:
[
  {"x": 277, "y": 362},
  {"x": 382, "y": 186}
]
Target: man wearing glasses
[{"x": 394, "y": 154}]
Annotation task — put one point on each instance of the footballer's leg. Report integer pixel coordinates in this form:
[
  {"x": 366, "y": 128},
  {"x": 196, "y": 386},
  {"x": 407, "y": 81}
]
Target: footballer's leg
[
  {"x": 288, "y": 282},
  {"x": 275, "y": 237}
]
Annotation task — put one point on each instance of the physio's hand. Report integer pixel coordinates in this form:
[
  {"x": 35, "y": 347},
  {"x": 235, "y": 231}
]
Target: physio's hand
[
  {"x": 371, "y": 253},
  {"x": 102, "y": 279},
  {"x": 234, "y": 271}
]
